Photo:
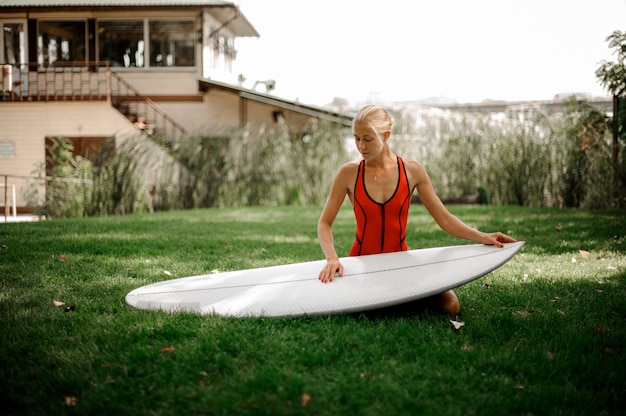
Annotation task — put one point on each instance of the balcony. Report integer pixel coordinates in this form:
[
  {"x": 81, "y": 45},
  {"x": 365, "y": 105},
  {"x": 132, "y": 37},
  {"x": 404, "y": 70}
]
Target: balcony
[{"x": 87, "y": 81}]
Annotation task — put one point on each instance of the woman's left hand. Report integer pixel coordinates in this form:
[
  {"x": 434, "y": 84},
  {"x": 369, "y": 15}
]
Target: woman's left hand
[{"x": 497, "y": 239}]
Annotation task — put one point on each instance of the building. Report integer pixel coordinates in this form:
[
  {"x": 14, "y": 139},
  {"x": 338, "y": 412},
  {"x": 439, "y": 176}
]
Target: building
[{"x": 90, "y": 70}]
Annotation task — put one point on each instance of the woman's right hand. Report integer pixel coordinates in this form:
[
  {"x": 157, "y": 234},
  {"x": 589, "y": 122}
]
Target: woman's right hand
[{"x": 332, "y": 268}]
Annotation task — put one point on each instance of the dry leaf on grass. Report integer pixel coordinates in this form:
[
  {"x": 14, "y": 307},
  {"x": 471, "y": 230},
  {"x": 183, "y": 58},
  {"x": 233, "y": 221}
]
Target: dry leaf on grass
[
  {"x": 457, "y": 324},
  {"x": 305, "y": 399},
  {"x": 70, "y": 401},
  {"x": 584, "y": 254},
  {"x": 58, "y": 303},
  {"x": 167, "y": 349}
]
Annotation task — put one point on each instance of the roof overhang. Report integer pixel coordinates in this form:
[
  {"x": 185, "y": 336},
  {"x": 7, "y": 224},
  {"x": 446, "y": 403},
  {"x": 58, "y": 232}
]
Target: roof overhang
[
  {"x": 224, "y": 11},
  {"x": 252, "y": 95}
]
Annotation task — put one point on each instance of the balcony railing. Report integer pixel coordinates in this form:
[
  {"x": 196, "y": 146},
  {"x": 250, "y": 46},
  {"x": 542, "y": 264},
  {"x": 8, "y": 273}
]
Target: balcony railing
[
  {"x": 86, "y": 81},
  {"x": 65, "y": 81}
]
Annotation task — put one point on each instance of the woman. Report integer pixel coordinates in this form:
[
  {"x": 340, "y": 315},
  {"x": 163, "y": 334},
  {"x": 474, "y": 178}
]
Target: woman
[{"x": 380, "y": 188}]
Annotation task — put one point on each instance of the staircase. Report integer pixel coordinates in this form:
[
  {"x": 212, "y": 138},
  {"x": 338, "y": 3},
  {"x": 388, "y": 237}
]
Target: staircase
[{"x": 143, "y": 112}]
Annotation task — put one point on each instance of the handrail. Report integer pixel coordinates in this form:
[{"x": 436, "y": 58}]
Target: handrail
[
  {"x": 86, "y": 80},
  {"x": 124, "y": 106}
]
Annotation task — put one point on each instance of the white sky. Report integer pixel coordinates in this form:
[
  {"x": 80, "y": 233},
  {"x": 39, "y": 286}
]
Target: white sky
[{"x": 468, "y": 50}]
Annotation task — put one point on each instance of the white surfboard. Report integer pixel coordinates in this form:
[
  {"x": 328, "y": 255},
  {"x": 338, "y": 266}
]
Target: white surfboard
[{"x": 369, "y": 282}]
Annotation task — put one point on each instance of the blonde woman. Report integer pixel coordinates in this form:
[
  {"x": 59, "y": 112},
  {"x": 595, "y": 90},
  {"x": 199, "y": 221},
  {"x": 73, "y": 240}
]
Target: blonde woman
[{"x": 380, "y": 187}]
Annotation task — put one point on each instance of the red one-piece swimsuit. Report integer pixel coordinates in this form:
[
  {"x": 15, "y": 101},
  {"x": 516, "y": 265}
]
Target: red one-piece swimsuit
[{"x": 381, "y": 227}]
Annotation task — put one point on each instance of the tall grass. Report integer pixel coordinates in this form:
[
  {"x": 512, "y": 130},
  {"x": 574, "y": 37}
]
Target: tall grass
[{"x": 527, "y": 158}]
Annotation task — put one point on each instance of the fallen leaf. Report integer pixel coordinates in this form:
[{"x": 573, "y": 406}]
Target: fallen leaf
[
  {"x": 524, "y": 313},
  {"x": 584, "y": 254},
  {"x": 519, "y": 387},
  {"x": 58, "y": 303},
  {"x": 167, "y": 349},
  {"x": 558, "y": 228},
  {"x": 550, "y": 355},
  {"x": 573, "y": 260},
  {"x": 466, "y": 348},
  {"x": 215, "y": 271},
  {"x": 305, "y": 399},
  {"x": 457, "y": 324},
  {"x": 70, "y": 400},
  {"x": 609, "y": 351},
  {"x": 167, "y": 273},
  {"x": 525, "y": 277},
  {"x": 601, "y": 330}
]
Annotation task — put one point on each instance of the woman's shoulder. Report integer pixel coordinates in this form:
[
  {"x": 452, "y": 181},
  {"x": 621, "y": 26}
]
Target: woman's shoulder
[
  {"x": 414, "y": 170},
  {"x": 411, "y": 164},
  {"x": 349, "y": 167}
]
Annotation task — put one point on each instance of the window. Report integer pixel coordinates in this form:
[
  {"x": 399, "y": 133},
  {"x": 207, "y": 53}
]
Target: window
[
  {"x": 172, "y": 43},
  {"x": 61, "y": 41},
  {"x": 128, "y": 43},
  {"x": 122, "y": 42},
  {"x": 13, "y": 50}
]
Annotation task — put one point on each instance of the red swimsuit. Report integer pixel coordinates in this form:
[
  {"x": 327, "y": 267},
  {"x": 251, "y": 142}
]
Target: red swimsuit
[{"x": 381, "y": 227}]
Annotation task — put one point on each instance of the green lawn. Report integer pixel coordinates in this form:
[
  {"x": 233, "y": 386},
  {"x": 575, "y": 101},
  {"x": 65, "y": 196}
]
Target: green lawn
[{"x": 544, "y": 334}]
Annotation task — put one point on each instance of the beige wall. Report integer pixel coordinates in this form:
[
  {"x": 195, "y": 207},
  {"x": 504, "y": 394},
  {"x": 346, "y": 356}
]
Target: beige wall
[{"x": 28, "y": 124}]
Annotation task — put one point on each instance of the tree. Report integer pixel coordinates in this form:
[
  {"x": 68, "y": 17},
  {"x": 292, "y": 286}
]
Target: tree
[{"x": 612, "y": 76}]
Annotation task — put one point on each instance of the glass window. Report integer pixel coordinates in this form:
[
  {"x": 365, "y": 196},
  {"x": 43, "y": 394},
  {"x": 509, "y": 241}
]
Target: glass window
[
  {"x": 172, "y": 43},
  {"x": 13, "y": 43},
  {"x": 122, "y": 42},
  {"x": 61, "y": 41}
]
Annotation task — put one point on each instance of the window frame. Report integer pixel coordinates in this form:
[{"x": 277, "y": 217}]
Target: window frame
[
  {"x": 148, "y": 67},
  {"x": 42, "y": 63}
]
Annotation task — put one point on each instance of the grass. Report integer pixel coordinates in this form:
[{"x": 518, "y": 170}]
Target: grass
[{"x": 544, "y": 334}]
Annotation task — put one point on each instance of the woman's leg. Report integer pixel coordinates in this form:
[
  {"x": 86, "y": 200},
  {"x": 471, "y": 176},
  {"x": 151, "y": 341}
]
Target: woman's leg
[{"x": 445, "y": 302}]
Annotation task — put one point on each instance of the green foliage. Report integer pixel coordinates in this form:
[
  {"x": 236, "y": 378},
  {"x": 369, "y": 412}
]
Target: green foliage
[
  {"x": 612, "y": 75},
  {"x": 587, "y": 175},
  {"x": 527, "y": 158},
  {"x": 67, "y": 180},
  {"x": 269, "y": 166},
  {"x": 117, "y": 186},
  {"x": 76, "y": 187}
]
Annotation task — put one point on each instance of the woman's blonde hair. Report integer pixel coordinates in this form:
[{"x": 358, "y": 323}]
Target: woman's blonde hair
[{"x": 378, "y": 117}]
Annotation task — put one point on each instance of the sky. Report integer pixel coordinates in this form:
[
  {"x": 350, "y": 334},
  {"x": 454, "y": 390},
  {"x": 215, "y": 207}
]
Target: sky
[{"x": 401, "y": 50}]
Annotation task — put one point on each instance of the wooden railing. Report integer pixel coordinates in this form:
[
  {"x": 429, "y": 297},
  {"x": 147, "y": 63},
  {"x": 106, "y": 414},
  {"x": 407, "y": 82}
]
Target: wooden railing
[
  {"x": 66, "y": 81},
  {"x": 87, "y": 81},
  {"x": 143, "y": 112}
]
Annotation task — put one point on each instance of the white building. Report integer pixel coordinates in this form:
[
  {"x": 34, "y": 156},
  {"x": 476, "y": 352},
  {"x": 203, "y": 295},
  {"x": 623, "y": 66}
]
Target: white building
[{"x": 94, "y": 69}]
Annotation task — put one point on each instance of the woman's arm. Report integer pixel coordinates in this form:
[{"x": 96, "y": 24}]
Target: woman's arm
[{"x": 338, "y": 192}]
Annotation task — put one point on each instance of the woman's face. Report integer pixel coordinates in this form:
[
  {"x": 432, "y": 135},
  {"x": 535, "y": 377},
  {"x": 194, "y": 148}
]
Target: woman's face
[{"x": 367, "y": 141}]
